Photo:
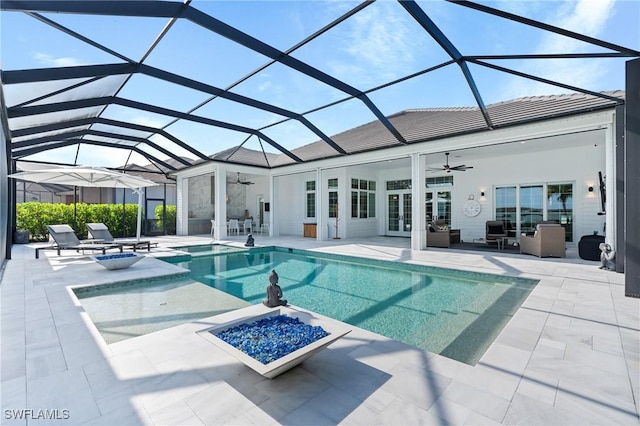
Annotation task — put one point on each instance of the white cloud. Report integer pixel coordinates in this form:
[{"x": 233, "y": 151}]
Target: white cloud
[
  {"x": 588, "y": 17},
  {"x": 50, "y": 61},
  {"x": 145, "y": 120},
  {"x": 378, "y": 44},
  {"x": 264, "y": 86}
]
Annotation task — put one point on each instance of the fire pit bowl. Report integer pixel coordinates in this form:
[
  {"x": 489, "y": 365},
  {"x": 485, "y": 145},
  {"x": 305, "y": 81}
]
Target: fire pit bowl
[{"x": 275, "y": 332}]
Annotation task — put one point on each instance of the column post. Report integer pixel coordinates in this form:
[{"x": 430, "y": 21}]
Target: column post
[{"x": 418, "y": 211}]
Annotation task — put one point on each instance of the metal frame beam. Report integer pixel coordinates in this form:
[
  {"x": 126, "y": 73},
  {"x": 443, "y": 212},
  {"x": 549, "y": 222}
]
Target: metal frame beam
[
  {"x": 632, "y": 181},
  {"x": 148, "y": 8},
  {"x": 177, "y": 10},
  {"x": 106, "y": 121},
  {"x": 66, "y": 73},
  {"x": 35, "y": 150},
  {"x": 173, "y": 10},
  {"x": 212, "y": 24},
  {"x": 425, "y": 22},
  {"x": 546, "y": 81},
  {"x": 88, "y": 71},
  {"x": 93, "y": 102},
  {"x": 84, "y": 132},
  {"x": 547, "y": 27}
]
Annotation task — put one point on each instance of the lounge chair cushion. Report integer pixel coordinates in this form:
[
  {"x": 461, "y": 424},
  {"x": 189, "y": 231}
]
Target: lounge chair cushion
[
  {"x": 100, "y": 231},
  {"x": 64, "y": 235}
]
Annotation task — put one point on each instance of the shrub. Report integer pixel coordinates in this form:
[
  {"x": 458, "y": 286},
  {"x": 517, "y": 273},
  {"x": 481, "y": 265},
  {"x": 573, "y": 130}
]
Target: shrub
[
  {"x": 34, "y": 216},
  {"x": 170, "y": 217}
]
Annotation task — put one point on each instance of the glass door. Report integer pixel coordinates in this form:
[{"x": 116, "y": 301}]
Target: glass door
[
  {"x": 531, "y": 207},
  {"x": 399, "y": 214},
  {"x": 154, "y": 225},
  {"x": 438, "y": 206},
  {"x": 507, "y": 209},
  {"x": 560, "y": 207}
]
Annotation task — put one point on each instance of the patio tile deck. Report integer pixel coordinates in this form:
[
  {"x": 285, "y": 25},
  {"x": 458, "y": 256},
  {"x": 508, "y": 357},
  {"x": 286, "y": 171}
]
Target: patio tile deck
[{"x": 570, "y": 354}]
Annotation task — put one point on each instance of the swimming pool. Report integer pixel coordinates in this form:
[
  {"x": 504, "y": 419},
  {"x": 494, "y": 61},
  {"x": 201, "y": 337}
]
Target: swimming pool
[
  {"x": 209, "y": 249},
  {"x": 133, "y": 308},
  {"x": 454, "y": 313}
]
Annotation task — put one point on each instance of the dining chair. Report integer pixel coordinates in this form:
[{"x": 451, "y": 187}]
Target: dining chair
[
  {"x": 264, "y": 227},
  {"x": 233, "y": 226},
  {"x": 247, "y": 226}
]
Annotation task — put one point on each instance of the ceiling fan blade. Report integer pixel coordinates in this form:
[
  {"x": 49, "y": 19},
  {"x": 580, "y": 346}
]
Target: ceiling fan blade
[
  {"x": 447, "y": 168},
  {"x": 461, "y": 168}
]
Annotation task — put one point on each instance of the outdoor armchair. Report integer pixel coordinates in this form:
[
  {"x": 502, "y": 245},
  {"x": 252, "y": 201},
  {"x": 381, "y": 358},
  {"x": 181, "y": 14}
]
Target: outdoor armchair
[
  {"x": 64, "y": 238},
  {"x": 496, "y": 232},
  {"x": 100, "y": 232},
  {"x": 440, "y": 235},
  {"x": 548, "y": 240}
]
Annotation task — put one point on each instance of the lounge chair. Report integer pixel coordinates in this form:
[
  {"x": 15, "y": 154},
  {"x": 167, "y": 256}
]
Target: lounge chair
[
  {"x": 64, "y": 238},
  {"x": 100, "y": 232}
]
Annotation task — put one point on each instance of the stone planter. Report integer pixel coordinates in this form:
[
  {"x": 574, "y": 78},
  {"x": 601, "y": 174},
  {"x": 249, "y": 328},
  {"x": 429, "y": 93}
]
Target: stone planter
[{"x": 21, "y": 237}]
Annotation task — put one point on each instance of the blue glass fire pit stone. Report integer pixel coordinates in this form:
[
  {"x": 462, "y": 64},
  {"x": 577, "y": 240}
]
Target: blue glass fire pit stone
[
  {"x": 118, "y": 260},
  {"x": 115, "y": 256},
  {"x": 271, "y": 341},
  {"x": 272, "y": 338}
]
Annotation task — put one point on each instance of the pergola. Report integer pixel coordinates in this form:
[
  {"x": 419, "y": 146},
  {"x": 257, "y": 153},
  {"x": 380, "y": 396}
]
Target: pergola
[{"x": 70, "y": 108}]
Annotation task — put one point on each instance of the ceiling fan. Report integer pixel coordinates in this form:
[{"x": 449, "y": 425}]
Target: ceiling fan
[
  {"x": 446, "y": 167},
  {"x": 240, "y": 182}
]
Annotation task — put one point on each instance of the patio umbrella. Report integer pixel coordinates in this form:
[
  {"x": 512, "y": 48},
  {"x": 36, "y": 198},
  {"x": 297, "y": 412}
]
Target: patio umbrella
[{"x": 89, "y": 176}]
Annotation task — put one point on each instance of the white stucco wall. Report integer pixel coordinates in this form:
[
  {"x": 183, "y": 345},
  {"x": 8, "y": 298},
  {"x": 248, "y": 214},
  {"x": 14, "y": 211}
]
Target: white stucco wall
[
  {"x": 567, "y": 150},
  {"x": 362, "y": 227},
  {"x": 289, "y": 204},
  {"x": 578, "y": 165}
]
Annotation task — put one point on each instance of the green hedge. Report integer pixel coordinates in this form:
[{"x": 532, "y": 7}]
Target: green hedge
[
  {"x": 171, "y": 219},
  {"x": 34, "y": 217}
]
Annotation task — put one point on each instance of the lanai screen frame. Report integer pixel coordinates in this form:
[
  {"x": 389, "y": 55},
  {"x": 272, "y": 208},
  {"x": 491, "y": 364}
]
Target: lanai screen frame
[
  {"x": 65, "y": 133},
  {"x": 31, "y": 143}
]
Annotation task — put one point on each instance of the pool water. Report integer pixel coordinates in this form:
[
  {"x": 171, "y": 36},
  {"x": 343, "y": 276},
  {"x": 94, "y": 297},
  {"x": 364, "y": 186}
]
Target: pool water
[
  {"x": 209, "y": 249},
  {"x": 129, "y": 309},
  {"x": 454, "y": 313}
]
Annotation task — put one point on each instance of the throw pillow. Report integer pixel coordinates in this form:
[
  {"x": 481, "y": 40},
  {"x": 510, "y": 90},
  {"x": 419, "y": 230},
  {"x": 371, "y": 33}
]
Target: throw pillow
[{"x": 495, "y": 230}]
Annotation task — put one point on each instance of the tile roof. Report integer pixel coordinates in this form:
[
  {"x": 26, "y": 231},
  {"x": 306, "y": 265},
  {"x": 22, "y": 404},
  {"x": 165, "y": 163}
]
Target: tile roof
[
  {"x": 425, "y": 124},
  {"x": 418, "y": 125}
]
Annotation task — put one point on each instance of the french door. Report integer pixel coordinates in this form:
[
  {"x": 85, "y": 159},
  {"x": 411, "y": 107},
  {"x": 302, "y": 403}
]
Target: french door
[
  {"x": 438, "y": 206},
  {"x": 399, "y": 213}
]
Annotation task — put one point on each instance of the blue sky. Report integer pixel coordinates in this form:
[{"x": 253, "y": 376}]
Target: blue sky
[{"x": 377, "y": 45}]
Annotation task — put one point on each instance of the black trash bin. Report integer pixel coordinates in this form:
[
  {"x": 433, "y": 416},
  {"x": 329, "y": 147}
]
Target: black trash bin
[{"x": 588, "y": 247}]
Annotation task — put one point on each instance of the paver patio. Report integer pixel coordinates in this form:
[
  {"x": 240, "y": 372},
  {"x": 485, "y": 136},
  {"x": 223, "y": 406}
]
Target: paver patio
[{"x": 570, "y": 355}]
